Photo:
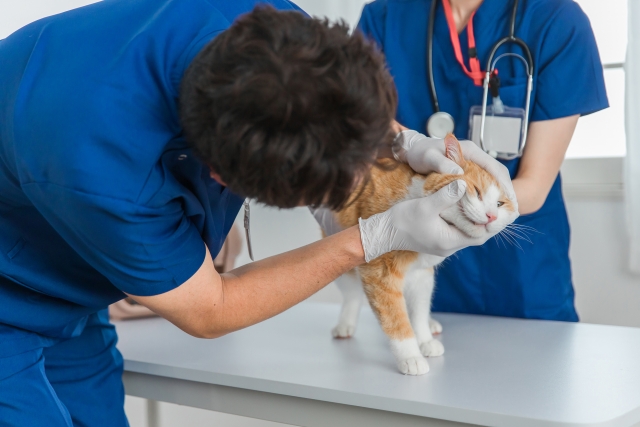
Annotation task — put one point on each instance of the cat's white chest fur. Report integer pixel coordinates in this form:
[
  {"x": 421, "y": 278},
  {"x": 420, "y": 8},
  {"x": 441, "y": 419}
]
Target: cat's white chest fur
[{"x": 426, "y": 261}]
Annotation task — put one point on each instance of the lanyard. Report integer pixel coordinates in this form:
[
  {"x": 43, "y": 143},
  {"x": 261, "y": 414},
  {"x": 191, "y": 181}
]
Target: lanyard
[{"x": 475, "y": 73}]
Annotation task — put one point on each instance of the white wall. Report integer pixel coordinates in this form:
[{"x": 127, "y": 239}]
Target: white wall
[
  {"x": 349, "y": 10},
  {"x": 605, "y": 291}
]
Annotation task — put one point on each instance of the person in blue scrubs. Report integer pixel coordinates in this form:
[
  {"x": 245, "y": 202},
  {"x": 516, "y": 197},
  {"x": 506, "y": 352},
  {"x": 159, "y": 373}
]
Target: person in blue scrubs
[
  {"x": 130, "y": 134},
  {"x": 533, "y": 278}
]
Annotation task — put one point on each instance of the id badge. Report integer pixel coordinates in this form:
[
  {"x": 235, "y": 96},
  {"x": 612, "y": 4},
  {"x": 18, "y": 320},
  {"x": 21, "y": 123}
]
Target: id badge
[{"x": 503, "y": 130}]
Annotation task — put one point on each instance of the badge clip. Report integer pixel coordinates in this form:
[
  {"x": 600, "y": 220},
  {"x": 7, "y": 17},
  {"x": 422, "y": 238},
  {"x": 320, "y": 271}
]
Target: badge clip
[{"x": 247, "y": 227}]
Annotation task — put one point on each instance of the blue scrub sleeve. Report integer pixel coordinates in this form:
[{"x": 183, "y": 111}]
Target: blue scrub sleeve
[
  {"x": 570, "y": 79},
  {"x": 372, "y": 21},
  {"x": 142, "y": 250}
]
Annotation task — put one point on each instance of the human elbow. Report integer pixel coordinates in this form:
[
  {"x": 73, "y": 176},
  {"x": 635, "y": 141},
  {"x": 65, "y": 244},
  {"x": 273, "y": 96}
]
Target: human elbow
[
  {"x": 208, "y": 335},
  {"x": 208, "y": 331}
]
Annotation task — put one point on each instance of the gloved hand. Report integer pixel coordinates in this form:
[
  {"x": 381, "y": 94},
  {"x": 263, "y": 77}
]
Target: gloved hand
[
  {"x": 416, "y": 225},
  {"x": 426, "y": 155}
]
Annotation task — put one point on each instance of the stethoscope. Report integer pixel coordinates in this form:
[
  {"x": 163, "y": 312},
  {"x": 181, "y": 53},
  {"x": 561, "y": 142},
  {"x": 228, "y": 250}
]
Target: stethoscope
[{"x": 441, "y": 123}]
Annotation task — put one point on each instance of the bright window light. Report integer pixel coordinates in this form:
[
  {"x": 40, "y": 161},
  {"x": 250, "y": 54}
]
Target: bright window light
[
  {"x": 609, "y": 22},
  {"x": 602, "y": 134}
]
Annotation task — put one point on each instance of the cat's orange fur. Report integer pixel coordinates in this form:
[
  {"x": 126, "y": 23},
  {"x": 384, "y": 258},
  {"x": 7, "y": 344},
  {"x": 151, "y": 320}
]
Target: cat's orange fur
[{"x": 383, "y": 277}]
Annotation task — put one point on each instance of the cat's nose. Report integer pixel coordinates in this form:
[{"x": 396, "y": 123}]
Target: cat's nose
[{"x": 491, "y": 217}]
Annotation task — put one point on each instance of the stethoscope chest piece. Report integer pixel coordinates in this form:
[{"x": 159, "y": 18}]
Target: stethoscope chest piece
[
  {"x": 440, "y": 124},
  {"x": 498, "y": 129}
]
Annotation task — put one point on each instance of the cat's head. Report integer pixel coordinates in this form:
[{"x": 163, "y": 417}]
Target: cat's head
[{"x": 485, "y": 208}]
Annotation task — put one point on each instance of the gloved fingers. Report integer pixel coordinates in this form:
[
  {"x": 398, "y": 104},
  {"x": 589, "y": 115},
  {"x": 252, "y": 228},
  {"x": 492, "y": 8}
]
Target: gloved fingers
[
  {"x": 498, "y": 170},
  {"x": 447, "y": 196},
  {"x": 433, "y": 160},
  {"x": 447, "y": 166},
  {"x": 426, "y": 155},
  {"x": 454, "y": 240}
]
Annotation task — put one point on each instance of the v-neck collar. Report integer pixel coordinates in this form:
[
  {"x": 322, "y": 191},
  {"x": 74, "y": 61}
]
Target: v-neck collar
[{"x": 489, "y": 15}]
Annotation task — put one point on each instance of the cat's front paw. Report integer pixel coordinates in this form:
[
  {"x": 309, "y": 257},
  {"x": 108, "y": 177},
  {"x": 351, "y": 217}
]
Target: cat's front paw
[
  {"x": 435, "y": 326},
  {"x": 432, "y": 348},
  {"x": 343, "y": 330},
  {"x": 413, "y": 366}
]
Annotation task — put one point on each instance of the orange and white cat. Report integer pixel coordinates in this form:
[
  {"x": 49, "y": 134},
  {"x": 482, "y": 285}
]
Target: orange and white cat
[{"x": 399, "y": 284}]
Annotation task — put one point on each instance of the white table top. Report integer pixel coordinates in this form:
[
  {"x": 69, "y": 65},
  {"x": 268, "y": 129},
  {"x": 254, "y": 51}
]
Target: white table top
[{"x": 495, "y": 371}]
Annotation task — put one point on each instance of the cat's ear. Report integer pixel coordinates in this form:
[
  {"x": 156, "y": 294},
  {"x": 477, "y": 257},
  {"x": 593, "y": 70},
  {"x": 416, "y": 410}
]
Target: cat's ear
[{"x": 453, "y": 150}]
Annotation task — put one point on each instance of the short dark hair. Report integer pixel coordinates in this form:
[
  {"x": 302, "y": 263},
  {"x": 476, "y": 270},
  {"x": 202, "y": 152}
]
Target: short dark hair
[{"x": 288, "y": 109}]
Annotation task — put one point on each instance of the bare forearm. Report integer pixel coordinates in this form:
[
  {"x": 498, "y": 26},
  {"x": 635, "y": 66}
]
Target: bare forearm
[
  {"x": 547, "y": 143},
  {"x": 209, "y": 305},
  {"x": 262, "y": 289},
  {"x": 530, "y": 195}
]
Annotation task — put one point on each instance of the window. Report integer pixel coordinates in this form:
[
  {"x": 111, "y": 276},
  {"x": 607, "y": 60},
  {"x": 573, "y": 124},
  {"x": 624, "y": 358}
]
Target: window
[{"x": 602, "y": 134}]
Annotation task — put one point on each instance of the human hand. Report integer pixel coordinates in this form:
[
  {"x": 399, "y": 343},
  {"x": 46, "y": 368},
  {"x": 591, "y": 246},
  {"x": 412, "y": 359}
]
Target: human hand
[
  {"x": 426, "y": 155},
  {"x": 416, "y": 225}
]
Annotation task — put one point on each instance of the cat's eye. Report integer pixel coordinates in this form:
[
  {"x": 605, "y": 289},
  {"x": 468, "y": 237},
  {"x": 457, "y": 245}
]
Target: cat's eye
[
  {"x": 477, "y": 192},
  {"x": 500, "y": 204}
]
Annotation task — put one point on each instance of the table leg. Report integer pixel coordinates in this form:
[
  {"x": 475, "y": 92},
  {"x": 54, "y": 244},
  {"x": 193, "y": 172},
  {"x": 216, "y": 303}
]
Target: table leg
[{"x": 153, "y": 415}]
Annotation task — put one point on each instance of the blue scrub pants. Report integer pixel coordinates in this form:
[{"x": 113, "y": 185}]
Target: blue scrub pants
[{"x": 74, "y": 383}]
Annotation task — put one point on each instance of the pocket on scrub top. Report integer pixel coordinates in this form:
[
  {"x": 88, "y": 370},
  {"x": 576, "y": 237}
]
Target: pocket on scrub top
[{"x": 513, "y": 92}]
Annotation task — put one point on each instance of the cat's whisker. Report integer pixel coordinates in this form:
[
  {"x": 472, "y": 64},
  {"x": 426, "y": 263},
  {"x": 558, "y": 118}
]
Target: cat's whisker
[
  {"x": 523, "y": 228},
  {"x": 509, "y": 238},
  {"x": 520, "y": 234},
  {"x": 517, "y": 237},
  {"x": 504, "y": 238},
  {"x": 522, "y": 231}
]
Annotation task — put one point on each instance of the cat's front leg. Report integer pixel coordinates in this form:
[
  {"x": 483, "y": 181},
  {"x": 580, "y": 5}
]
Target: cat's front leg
[
  {"x": 409, "y": 358},
  {"x": 352, "y": 297},
  {"x": 434, "y": 326},
  {"x": 383, "y": 285},
  {"x": 419, "y": 282}
]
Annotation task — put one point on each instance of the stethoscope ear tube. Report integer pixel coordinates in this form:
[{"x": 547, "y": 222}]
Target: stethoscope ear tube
[
  {"x": 490, "y": 67},
  {"x": 432, "y": 83}
]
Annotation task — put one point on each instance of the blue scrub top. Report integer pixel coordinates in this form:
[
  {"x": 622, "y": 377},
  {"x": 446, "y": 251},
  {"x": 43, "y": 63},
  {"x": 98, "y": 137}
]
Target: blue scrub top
[
  {"x": 99, "y": 193},
  {"x": 533, "y": 281}
]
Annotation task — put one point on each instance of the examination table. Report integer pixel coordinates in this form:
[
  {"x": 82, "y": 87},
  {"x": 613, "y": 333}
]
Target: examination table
[{"x": 495, "y": 372}]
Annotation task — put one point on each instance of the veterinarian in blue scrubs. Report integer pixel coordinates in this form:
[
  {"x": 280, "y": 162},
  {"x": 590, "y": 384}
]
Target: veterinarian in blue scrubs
[
  {"x": 128, "y": 131},
  {"x": 118, "y": 209},
  {"x": 531, "y": 277}
]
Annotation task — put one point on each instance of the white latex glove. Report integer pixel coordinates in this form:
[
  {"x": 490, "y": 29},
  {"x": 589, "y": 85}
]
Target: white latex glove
[
  {"x": 415, "y": 225},
  {"x": 426, "y": 155}
]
